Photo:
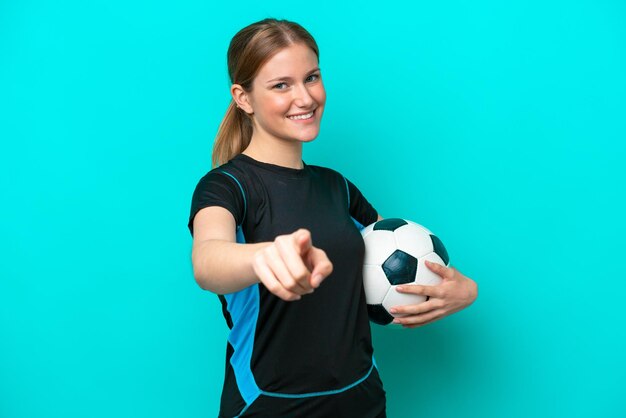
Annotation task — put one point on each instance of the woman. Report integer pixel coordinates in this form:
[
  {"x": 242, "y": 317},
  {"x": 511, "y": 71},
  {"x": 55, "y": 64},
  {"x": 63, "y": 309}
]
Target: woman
[{"x": 278, "y": 241}]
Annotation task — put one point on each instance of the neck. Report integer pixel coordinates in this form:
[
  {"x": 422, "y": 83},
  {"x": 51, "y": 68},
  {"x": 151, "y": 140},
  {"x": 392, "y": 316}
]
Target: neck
[{"x": 275, "y": 151}]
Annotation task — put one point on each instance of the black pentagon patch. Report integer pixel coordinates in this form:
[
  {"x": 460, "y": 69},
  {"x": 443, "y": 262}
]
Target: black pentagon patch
[
  {"x": 379, "y": 315},
  {"x": 400, "y": 268},
  {"x": 390, "y": 224},
  {"x": 440, "y": 250}
]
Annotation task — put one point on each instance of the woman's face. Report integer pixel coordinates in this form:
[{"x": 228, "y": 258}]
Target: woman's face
[{"x": 288, "y": 96}]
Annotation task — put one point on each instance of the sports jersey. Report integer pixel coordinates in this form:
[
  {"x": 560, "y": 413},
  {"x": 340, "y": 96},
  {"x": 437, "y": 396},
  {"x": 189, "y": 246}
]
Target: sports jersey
[{"x": 307, "y": 358}]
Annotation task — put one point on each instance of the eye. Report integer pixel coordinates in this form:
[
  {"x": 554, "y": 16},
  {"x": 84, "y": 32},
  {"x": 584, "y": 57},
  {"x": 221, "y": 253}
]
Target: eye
[
  {"x": 313, "y": 77},
  {"x": 278, "y": 86}
]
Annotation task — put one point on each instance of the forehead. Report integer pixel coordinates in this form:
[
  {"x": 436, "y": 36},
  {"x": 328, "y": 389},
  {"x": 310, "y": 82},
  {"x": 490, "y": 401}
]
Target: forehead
[{"x": 290, "y": 61}]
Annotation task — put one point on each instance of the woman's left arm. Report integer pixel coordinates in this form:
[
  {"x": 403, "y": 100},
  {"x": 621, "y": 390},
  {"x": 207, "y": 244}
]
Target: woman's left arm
[{"x": 455, "y": 292}]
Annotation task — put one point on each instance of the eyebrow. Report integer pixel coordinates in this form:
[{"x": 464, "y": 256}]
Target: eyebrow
[{"x": 289, "y": 78}]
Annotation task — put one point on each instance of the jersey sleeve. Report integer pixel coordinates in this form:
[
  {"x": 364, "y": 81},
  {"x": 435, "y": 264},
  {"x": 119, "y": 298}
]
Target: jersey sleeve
[
  {"x": 216, "y": 189},
  {"x": 360, "y": 208}
]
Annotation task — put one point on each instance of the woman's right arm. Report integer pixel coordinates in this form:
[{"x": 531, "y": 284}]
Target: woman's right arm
[
  {"x": 220, "y": 264},
  {"x": 290, "y": 266}
]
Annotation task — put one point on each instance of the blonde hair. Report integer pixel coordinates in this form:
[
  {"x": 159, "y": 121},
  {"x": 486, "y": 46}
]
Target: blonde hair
[{"x": 249, "y": 49}]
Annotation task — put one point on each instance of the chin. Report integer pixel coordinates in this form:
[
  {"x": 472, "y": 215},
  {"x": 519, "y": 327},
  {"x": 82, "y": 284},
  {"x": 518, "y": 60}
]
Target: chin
[{"x": 306, "y": 136}]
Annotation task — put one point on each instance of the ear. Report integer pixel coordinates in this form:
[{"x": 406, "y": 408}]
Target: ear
[{"x": 241, "y": 98}]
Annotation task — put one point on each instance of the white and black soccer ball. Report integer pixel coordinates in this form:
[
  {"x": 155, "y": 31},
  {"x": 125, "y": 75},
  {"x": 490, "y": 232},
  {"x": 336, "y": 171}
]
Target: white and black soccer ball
[{"x": 395, "y": 251}]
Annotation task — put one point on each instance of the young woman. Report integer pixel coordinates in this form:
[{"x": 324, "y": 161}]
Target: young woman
[{"x": 278, "y": 241}]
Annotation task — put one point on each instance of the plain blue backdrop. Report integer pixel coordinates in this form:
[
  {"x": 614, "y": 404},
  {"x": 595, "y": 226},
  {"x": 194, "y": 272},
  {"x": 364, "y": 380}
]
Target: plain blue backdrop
[{"x": 498, "y": 125}]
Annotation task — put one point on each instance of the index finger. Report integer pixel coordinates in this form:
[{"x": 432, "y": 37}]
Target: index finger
[{"x": 294, "y": 263}]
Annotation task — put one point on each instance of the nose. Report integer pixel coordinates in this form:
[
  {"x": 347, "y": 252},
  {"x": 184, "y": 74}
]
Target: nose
[{"x": 302, "y": 96}]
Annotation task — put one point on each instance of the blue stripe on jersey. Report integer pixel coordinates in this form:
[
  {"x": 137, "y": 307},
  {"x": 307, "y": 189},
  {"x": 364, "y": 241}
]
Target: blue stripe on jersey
[
  {"x": 328, "y": 392},
  {"x": 243, "y": 307},
  {"x": 358, "y": 224},
  {"x": 347, "y": 191},
  {"x": 242, "y": 193}
]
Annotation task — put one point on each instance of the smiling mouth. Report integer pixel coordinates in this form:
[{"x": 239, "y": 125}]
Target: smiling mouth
[{"x": 302, "y": 117}]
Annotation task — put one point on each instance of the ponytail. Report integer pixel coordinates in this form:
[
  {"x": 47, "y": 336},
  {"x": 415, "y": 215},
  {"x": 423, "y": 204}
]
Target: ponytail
[{"x": 233, "y": 135}]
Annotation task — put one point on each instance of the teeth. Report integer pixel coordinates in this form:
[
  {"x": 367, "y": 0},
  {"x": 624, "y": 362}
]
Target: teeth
[{"x": 307, "y": 116}]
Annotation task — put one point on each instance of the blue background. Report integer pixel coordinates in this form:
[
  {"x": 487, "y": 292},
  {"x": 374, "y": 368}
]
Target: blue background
[{"x": 498, "y": 125}]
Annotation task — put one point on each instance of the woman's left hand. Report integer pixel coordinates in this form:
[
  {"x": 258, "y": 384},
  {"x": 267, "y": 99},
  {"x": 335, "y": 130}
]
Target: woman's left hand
[{"x": 454, "y": 293}]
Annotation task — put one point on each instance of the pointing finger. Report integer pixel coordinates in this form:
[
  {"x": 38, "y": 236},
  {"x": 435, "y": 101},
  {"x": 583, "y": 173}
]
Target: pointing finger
[
  {"x": 293, "y": 264},
  {"x": 303, "y": 241}
]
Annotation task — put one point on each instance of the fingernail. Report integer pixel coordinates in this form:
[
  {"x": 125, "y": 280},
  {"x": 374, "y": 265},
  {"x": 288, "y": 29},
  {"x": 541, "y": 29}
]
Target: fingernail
[
  {"x": 399, "y": 288},
  {"x": 396, "y": 321},
  {"x": 393, "y": 310}
]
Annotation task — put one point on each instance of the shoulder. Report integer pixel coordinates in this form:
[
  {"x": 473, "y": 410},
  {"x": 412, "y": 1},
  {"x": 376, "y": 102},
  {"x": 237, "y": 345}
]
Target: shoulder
[
  {"x": 228, "y": 174},
  {"x": 221, "y": 186}
]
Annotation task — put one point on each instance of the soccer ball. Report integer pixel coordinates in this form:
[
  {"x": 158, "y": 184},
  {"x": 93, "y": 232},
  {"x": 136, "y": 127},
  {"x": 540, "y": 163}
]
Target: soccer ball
[{"x": 395, "y": 251}]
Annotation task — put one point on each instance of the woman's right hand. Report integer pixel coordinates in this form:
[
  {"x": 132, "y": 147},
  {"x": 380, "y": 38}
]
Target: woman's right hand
[{"x": 291, "y": 266}]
